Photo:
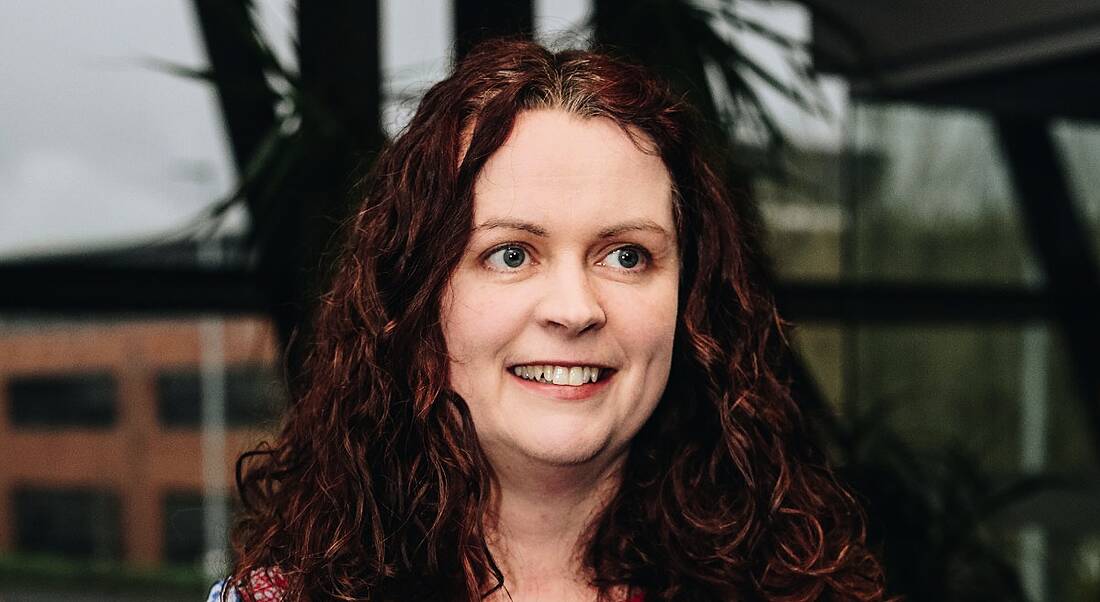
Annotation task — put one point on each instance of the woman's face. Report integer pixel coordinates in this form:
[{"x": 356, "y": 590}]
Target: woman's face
[{"x": 560, "y": 318}]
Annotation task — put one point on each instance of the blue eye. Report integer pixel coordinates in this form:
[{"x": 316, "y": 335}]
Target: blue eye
[
  {"x": 508, "y": 257},
  {"x": 626, "y": 258}
]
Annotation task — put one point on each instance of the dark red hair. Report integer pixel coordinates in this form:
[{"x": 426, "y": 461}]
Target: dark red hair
[{"x": 376, "y": 486}]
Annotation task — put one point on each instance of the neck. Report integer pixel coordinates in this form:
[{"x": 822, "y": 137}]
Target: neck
[{"x": 543, "y": 514}]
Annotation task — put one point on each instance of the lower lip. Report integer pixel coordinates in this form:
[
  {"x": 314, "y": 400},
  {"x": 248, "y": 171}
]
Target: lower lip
[{"x": 566, "y": 392}]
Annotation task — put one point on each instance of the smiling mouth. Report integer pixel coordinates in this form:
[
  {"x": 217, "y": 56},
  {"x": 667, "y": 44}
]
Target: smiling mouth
[{"x": 570, "y": 376}]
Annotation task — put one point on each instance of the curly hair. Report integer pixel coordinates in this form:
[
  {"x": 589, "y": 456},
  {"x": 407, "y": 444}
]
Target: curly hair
[{"x": 376, "y": 486}]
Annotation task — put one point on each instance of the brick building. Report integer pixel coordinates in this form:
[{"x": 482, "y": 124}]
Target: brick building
[{"x": 100, "y": 445}]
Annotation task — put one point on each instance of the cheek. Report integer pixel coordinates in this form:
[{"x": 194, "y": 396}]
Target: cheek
[
  {"x": 477, "y": 323},
  {"x": 648, "y": 321}
]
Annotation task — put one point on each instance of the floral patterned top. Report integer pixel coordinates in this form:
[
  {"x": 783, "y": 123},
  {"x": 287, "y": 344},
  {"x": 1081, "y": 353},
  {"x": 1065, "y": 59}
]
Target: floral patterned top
[
  {"x": 269, "y": 587},
  {"x": 216, "y": 593}
]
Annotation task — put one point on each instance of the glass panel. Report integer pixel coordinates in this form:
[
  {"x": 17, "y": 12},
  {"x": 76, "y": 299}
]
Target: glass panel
[
  {"x": 804, "y": 215},
  {"x": 417, "y": 39},
  {"x": 945, "y": 418},
  {"x": 53, "y": 400},
  {"x": 917, "y": 196},
  {"x": 183, "y": 527},
  {"x": 935, "y": 204},
  {"x": 184, "y": 537},
  {"x": 102, "y": 147},
  {"x": 958, "y": 386},
  {"x": 945, "y": 388},
  {"x": 1080, "y": 146},
  {"x": 253, "y": 396},
  {"x": 81, "y": 523},
  {"x": 560, "y": 19},
  {"x": 823, "y": 347},
  {"x": 1083, "y": 563}
]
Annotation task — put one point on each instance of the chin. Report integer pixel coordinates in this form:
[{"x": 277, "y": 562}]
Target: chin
[{"x": 567, "y": 444}]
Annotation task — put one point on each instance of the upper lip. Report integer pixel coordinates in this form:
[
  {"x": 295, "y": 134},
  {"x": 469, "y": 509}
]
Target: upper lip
[{"x": 563, "y": 363}]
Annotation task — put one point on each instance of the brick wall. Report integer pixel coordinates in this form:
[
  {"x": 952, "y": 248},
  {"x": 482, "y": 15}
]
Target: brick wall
[{"x": 137, "y": 458}]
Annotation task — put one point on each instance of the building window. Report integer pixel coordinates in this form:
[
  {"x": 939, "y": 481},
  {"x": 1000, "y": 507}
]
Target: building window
[
  {"x": 184, "y": 535},
  {"x": 78, "y": 523},
  {"x": 61, "y": 400},
  {"x": 253, "y": 396}
]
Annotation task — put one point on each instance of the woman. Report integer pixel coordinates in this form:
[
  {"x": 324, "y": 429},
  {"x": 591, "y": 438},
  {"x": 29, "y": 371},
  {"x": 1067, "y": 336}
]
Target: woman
[{"x": 542, "y": 371}]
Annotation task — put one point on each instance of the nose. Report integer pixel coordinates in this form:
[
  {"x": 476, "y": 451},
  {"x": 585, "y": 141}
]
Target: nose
[{"x": 569, "y": 302}]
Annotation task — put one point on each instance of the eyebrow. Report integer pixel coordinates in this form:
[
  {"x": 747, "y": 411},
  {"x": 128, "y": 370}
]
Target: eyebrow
[
  {"x": 646, "y": 225},
  {"x": 509, "y": 224}
]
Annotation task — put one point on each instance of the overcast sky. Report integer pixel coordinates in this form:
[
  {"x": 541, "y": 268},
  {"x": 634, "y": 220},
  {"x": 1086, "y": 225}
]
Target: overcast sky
[{"x": 98, "y": 148}]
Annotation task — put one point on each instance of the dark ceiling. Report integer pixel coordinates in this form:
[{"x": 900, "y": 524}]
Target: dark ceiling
[{"x": 1010, "y": 56}]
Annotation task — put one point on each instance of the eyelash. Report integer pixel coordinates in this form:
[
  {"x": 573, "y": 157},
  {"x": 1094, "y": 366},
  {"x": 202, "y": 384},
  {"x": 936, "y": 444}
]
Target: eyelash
[{"x": 646, "y": 256}]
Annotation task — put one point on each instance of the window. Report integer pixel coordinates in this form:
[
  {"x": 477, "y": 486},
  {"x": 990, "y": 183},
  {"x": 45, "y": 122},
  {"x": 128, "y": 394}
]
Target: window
[
  {"x": 253, "y": 395},
  {"x": 80, "y": 523},
  {"x": 183, "y": 525},
  {"x": 85, "y": 400}
]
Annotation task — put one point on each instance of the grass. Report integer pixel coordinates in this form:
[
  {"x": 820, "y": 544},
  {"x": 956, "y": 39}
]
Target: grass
[{"x": 109, "y": 577}]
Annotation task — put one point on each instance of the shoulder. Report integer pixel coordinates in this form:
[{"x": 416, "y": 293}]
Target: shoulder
[
  {"x": 265, "y": 586},
  {"x": 215, "y": 594}
]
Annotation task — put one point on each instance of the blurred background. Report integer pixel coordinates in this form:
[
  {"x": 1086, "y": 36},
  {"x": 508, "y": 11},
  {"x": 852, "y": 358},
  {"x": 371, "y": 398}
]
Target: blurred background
[{"x": 925, "y": 170}]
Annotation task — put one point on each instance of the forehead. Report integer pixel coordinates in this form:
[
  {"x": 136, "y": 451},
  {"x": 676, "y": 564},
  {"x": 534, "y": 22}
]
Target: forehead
[{"x": 554, "y": 162}]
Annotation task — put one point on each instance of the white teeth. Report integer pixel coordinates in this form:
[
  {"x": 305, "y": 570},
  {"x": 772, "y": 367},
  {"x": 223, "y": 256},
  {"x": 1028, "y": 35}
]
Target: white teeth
[
  {"x": 559, "y": 375},
  {"x": 576, "y": 376}
]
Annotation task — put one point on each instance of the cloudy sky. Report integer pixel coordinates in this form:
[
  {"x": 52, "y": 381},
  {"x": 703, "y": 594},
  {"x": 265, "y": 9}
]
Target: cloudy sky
[{"x": 99, "y": 148}]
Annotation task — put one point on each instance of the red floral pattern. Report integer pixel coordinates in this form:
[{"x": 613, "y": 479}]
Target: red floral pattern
[
  {"x": 266, "y": 586},
  {"x": 270, "y": 585}
]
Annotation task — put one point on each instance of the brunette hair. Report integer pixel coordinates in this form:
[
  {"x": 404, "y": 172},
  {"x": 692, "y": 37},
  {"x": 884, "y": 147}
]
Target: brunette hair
[{"x": 376, "y": 487}]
